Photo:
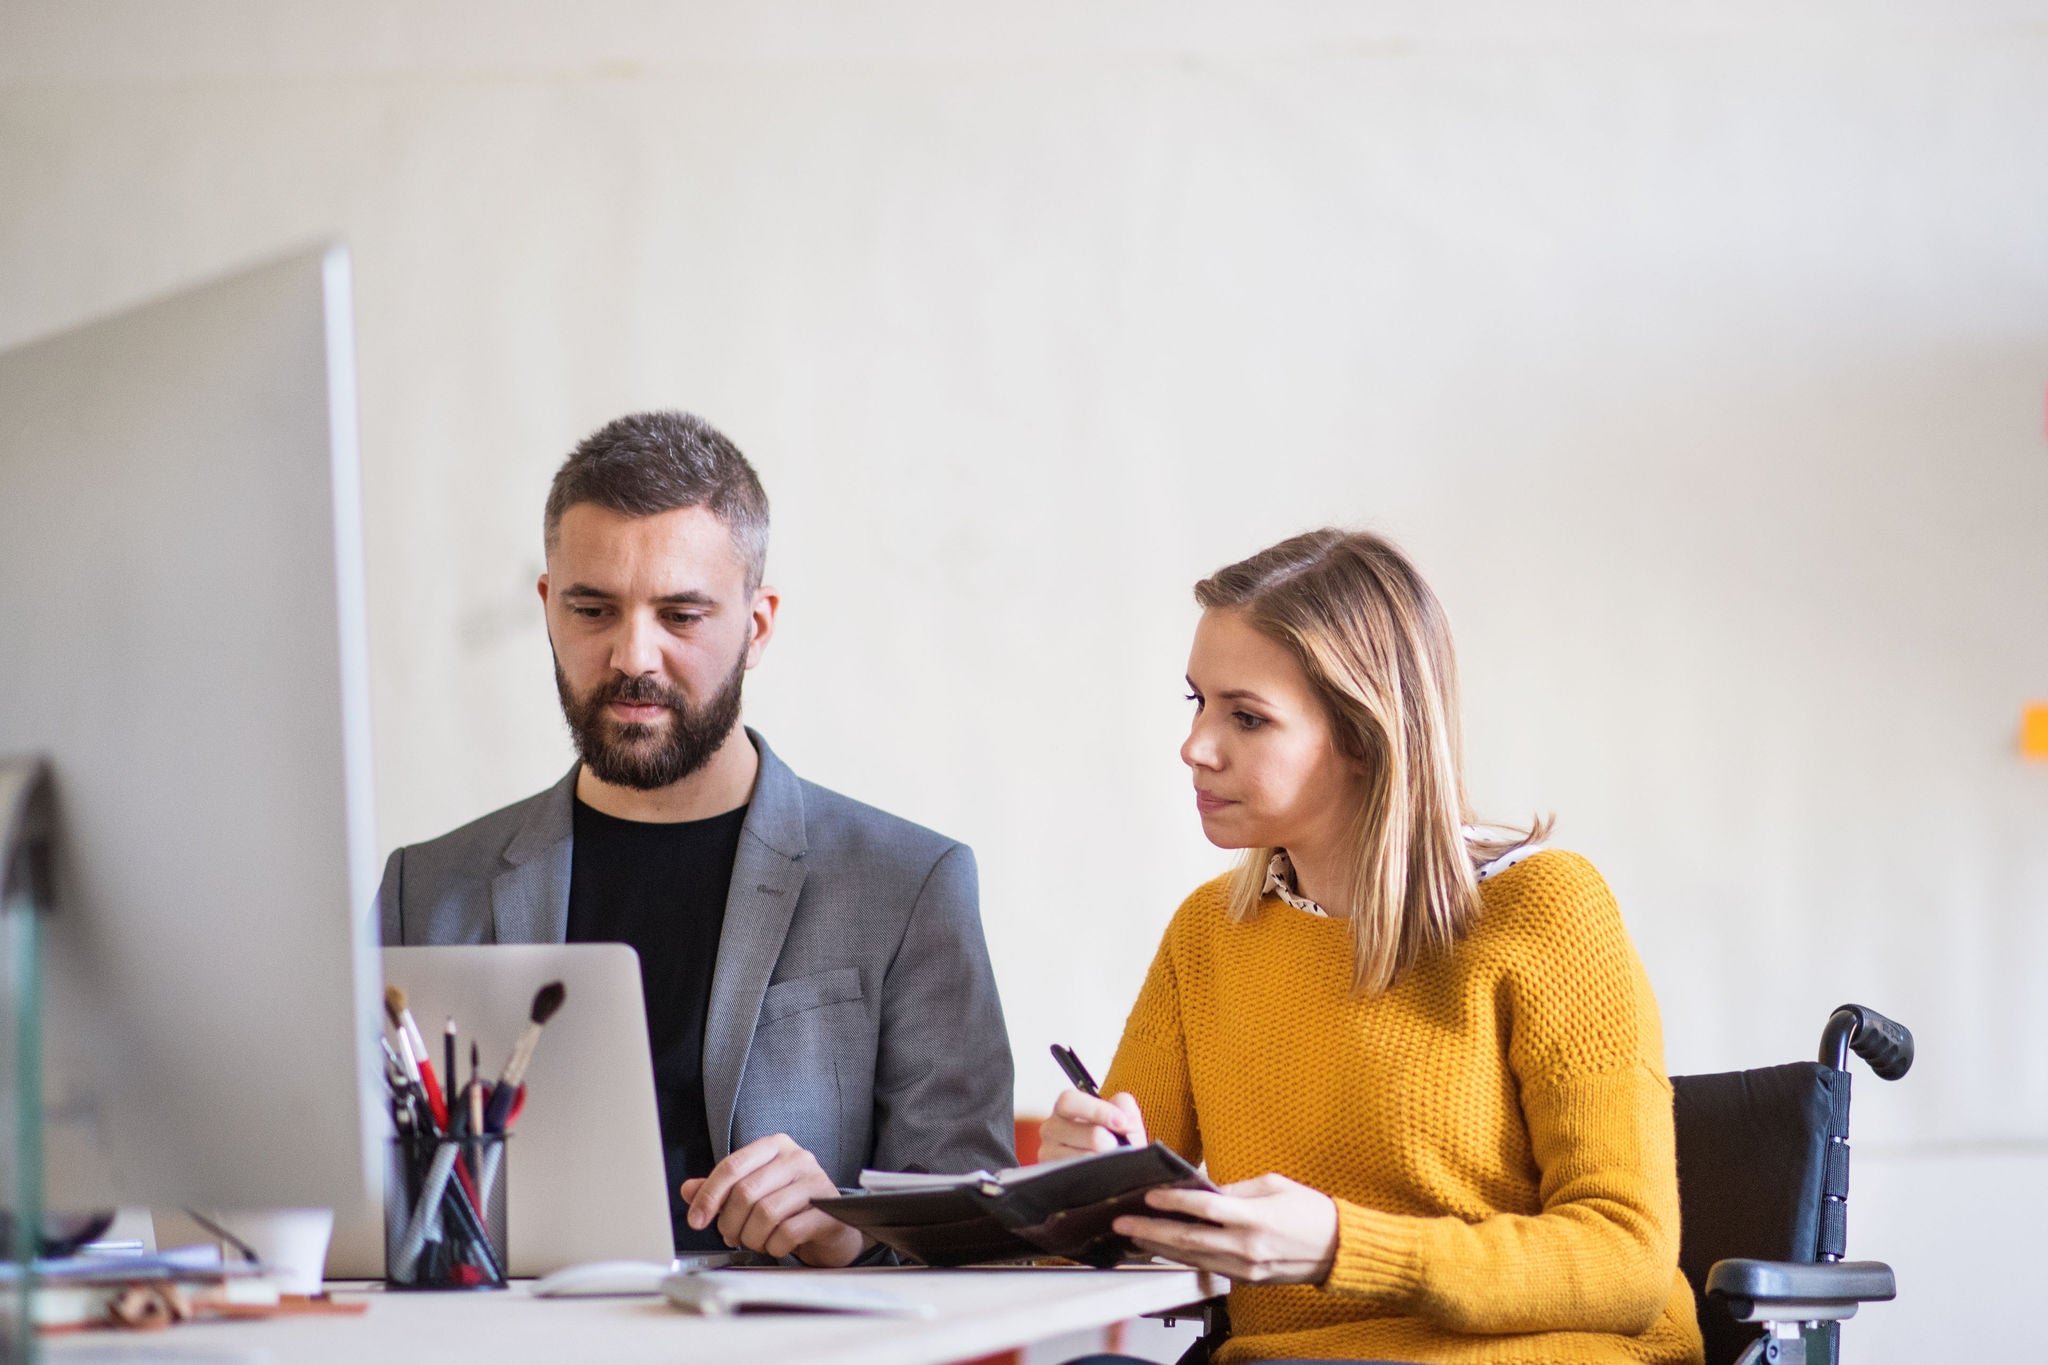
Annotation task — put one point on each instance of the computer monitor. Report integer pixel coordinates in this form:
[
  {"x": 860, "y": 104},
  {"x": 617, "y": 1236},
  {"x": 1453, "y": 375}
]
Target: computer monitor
[{"x": 182, "y": 634}]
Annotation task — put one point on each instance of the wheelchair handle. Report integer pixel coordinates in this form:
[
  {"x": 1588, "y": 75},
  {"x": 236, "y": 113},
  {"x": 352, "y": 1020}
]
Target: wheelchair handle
[{"x": 1884, "y": 1043}]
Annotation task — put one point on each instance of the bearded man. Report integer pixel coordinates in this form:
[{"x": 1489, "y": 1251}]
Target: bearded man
[{"x": 818, "y": 989}]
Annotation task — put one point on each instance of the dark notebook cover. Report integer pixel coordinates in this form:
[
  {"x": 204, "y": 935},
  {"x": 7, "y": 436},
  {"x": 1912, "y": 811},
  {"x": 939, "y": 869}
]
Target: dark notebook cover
[{"x": 1063, "y": 1209}]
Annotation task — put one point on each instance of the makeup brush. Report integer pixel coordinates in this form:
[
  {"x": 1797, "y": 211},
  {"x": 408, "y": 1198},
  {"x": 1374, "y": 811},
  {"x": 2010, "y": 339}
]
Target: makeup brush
[
  {"x": 409, "y": 1034},
  {"x": 546, "y": 1001}
]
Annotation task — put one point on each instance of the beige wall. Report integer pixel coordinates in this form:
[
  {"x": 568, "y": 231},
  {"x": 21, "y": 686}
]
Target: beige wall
[{"x": 1700, "y": 359}]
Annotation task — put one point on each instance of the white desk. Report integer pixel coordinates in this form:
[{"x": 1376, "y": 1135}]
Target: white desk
[{"x": 978, "y": 1312}]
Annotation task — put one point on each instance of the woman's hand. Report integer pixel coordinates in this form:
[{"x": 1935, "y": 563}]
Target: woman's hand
[
  {"x": 1081, "y": 1124},
  {"x": 1268, "y": 1230}
]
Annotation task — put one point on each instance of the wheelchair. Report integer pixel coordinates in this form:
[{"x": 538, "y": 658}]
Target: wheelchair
[{"x": 1763, "y": 1193}]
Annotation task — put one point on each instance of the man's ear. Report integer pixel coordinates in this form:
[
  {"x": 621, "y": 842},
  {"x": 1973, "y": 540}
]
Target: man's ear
[
  {"x": 543, "y": 586},
  {"x": 767, "y": 601}
]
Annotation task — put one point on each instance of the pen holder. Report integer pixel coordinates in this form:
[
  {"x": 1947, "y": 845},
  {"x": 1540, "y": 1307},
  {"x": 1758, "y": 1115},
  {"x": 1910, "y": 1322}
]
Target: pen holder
[{"x": 444, "y": 1212}]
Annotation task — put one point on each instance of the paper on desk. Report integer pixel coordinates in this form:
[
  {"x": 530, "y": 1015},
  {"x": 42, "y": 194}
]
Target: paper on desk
[
  {"x": 198, "y": 1264},
  {"x": 717, "y": 1293}
]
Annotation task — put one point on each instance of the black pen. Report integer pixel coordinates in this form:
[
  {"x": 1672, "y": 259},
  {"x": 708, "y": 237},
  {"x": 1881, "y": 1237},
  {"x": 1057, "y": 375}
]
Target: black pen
[
  {"x": 1083, "y": 1082},
  {"x": 448, "y": 1085}
]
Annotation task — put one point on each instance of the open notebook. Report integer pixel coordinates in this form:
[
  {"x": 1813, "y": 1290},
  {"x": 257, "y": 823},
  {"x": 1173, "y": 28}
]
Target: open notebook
[
  {"x": 1060, "y": 1208},
  {"x": 893, "y": 1182}
]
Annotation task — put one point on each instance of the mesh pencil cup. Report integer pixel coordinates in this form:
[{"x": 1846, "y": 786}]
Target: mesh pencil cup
[{"x": 444, "y": 1212}]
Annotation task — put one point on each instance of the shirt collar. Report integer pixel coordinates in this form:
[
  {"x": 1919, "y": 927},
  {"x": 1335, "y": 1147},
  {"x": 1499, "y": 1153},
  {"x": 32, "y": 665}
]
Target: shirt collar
[
  {"x": 1280, "y": 882},
  {"x": 1280, "y": 873}
]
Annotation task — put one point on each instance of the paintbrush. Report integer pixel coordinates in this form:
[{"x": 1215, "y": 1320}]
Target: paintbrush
[
  {"x": 394, "y": 999},
  {"x": 409, "y": 1032},
  {"x": 476, "y": 1092},
  {"x": 546, "y": 1001},
  {"x": 408, "y": 1061}
]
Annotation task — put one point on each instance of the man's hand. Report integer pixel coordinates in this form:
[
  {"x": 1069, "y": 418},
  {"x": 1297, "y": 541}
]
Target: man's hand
[
  {"x": 760, "y": 1197},
  {"x": 1268, "y": 1230}
]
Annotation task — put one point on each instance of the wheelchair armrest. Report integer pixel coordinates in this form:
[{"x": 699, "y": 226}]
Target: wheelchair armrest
[
  {"x": 1798, "y": 1291},
  {"x": 1213, "y": 1314},
  {"x": 1209, "y": 1312}
]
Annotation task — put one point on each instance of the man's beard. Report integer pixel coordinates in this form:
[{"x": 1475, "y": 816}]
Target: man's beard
[{"x": 639, "y": 756}]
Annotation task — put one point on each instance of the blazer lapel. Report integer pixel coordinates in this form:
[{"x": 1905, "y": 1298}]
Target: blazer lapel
[
  {"x": 766, "y": 877},
  {"x": 530, "y": 897}
]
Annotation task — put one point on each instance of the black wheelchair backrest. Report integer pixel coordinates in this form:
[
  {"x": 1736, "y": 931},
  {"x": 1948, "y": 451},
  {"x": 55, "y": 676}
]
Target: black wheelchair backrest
[{"x": 1755, "y": 1172}]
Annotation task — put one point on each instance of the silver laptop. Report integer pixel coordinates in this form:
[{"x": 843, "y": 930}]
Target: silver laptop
[{"x": 584, "y": 1165}]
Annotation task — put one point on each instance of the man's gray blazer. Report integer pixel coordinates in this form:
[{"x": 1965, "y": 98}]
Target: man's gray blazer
[{"x": 852, "y": 1006}]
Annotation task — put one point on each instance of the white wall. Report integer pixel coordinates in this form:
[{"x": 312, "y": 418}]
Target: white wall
[{"x": 1698, "y": 353}]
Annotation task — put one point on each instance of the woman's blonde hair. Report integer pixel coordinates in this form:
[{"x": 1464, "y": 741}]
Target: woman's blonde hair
[{"x": 1376, "y": 646}]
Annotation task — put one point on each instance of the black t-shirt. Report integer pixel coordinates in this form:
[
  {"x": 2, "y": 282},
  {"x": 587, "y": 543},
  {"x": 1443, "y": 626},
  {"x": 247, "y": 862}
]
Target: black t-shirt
[{"x": 661, "y": 888}]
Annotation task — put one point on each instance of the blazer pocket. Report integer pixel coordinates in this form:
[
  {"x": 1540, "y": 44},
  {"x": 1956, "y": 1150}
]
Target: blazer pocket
[{"x": 815, "y": 991}]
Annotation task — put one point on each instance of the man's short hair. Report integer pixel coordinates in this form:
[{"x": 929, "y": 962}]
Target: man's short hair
[{"x": 647, "y": 463}]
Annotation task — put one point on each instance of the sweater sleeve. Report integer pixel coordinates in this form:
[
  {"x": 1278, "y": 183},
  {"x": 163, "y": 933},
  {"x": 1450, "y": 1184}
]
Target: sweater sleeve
[
  {"x": 1586, "y": 1052},
  {"x": 1152, "y": 1060}
]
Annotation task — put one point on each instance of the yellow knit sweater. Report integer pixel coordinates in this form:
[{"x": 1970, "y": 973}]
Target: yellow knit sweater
[{"x": 1495, "y": 1130}]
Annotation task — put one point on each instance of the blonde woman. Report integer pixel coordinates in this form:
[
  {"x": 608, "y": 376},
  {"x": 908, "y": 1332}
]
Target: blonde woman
[{"x": 1421, "y": 1059}]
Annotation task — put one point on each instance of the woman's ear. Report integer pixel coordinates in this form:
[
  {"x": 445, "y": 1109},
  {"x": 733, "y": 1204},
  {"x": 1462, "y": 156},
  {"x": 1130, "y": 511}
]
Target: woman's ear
[{"x": 1359, "y": 744}]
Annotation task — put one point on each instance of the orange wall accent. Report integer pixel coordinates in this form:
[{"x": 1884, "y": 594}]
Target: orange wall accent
[
  {"x": 2033, "y": 732},
  {"x": 1027, "y": 1139}
]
